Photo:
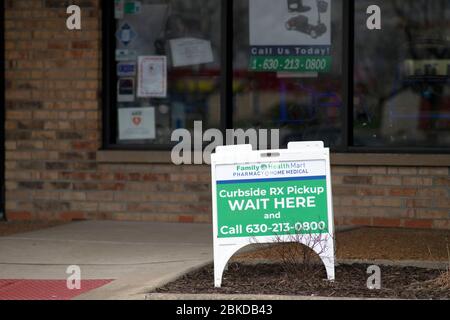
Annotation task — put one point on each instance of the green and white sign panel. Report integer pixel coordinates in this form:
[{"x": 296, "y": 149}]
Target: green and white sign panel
[{"x": 272, "y": 196}]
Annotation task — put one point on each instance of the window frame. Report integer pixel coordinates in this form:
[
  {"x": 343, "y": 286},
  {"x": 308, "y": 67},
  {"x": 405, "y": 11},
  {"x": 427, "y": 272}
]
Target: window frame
[
  {"x": 109, "y": 87},
  {"x": 2, "y": 118},
  {"x": 109, "y": 94}
]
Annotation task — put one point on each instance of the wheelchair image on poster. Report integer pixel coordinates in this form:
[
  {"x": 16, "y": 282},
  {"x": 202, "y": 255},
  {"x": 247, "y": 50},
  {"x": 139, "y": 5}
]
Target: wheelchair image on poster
[{"x": 301, "y": 23}]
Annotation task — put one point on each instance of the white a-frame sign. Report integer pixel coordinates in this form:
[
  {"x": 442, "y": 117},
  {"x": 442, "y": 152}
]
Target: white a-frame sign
[{"x": 272, "y": 196}]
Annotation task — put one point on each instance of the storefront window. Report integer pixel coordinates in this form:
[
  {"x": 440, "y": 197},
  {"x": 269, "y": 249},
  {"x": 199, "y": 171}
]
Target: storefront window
[
  {"x": 287, "y": 64},
  {"x": 401, "y": 80},
  {"x": 167, "y": 62},
  {"x": 279, "y": 64}
]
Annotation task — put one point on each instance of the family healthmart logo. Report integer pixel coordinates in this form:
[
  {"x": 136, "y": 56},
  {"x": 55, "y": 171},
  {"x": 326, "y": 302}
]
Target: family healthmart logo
[
  {"x": 265, "y": 166},
  {"x": 195, "y": 146},
  {"x": 271, "y": 169}
]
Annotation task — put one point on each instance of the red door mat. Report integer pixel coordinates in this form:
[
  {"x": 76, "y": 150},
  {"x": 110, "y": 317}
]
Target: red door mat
[{"x": 45, "y": 289}]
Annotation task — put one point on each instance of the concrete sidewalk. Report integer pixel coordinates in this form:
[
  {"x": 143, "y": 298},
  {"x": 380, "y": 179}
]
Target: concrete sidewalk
[{"x": 137, "y": 255}]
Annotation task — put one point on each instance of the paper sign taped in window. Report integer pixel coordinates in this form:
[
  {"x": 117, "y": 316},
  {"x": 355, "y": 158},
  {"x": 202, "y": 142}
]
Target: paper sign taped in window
[
  {"x": 126, "y": 34},
  {"x": 137, "y": 123},
  {"x": 133, "y": 7},
  {"x": 126, "y": 69},
  {"x": 190, "y": 51},
  {"x": 125, "y": 90},
  {"x": 119, "y": 9},
  {"x": 126, "y": 55},
  {"x": 152, "y": 77}
]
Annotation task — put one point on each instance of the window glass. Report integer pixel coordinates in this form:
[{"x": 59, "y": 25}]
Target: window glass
[
  {"x": 287, "y": 63},
  {"x": 156, "y": 95},
  {"x": 401, "y": 80}
]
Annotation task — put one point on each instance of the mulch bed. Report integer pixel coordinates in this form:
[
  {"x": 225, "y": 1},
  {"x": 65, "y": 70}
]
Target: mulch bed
[
  {"x": 351, "y": 281},
  {"x": 393, "y": 244},
  {"x": 376, "y": 244}
]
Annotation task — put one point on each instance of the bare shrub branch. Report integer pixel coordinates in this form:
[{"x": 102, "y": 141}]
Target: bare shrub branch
[{"x": 299, "y": 252}]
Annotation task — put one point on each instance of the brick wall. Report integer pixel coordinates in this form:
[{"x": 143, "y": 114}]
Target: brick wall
[
  {"x": 414, "y": 197},
  {"x": 52, "y": 107},
  {"x": 53, "y": 130}
]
